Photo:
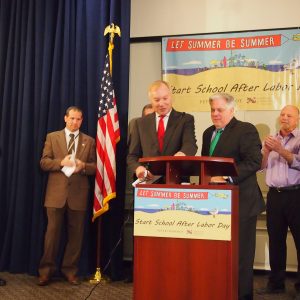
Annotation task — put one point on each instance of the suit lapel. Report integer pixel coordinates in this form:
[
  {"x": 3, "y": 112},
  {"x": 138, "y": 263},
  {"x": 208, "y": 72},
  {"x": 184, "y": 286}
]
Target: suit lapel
[
  {"x": 171, "y": 126},
  {"x": 150, "y": 123},
  {"x": 62, "y": 142},
  {"x": 207, "y": 140},
  {"x": 225, "y": 136},
  {"x": 81, "y": 145}
]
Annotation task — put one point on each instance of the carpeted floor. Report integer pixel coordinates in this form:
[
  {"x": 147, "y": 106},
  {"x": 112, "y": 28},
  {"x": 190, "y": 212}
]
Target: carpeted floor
[{"x": 23, "y": 287}]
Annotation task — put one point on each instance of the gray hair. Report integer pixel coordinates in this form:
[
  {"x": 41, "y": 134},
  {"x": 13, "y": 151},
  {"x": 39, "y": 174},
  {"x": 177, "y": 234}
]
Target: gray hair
[
  {"x": 155, "y": 85},
  {"x": 229, "y": 99}
]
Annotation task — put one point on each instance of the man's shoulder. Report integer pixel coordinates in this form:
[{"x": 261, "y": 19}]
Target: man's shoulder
[
  {"x": 209, "y": 129},
  {"x": 244, "y": 124},
  {"x": 86, "y": 136},
  {"x": 235, "y": 123},
  {"x": 133, "y": 121},
  {"x": 53, "y": 134},
  {"x": 181, "y": 115},
  {"x": 145, "y": 119}
]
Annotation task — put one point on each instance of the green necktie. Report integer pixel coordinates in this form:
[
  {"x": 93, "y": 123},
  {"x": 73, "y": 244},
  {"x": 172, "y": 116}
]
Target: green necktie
[{"x": 214, "y": 141}]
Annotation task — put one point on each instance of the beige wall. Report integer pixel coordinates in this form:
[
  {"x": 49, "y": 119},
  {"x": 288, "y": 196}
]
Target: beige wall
[{"x": 173, "y": 17}]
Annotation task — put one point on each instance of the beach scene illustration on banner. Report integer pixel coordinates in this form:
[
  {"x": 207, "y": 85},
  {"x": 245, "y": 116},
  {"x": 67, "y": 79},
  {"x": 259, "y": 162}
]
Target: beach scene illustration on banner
[
  {"x": 190, "y": 213},
  {"x": 260, "y": 69}
]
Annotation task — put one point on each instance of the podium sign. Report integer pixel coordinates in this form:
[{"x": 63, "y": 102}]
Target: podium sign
[{"x": 183, "y": 213}]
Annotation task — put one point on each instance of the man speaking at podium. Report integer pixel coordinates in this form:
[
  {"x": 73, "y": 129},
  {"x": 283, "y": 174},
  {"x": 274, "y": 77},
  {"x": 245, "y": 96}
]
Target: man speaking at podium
[
  {"x": 229, "y": 137},
  {"x": 165, "y": 132}
]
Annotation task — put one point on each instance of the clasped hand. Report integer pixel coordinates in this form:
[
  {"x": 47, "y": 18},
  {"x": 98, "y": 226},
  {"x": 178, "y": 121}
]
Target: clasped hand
[
  {"x": 272, "y": 144},
  {"x": 68, "y": 162}
]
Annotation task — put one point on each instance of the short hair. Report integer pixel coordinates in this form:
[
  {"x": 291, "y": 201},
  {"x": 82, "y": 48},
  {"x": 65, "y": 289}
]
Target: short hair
[
  {"x": 155, "y": 85},
  {"x": 147, "y": 106},
  {"x": 294, "y": 107},
  {"x": 75, "y": 108},
  {"x": 229, "y": 99}
]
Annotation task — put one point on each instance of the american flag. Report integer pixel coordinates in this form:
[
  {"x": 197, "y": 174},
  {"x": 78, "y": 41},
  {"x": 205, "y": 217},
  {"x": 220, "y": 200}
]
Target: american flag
[{"x": 108, "y": 134}]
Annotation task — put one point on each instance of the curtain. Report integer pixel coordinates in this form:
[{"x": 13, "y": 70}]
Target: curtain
[{"x": 51, "y": 57}]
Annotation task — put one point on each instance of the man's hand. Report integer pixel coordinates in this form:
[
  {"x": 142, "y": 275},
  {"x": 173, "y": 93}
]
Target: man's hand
[
  {"x": 67, "y": 161},
  {"x": 80, "y": 165},
  {"x": 142, "y": 173},
  {"x": 218, "y": 179},
  {"x": 275, "y": 145},
  {"x": 272, "y": 143},
  {"x": 179, "y": 153}
]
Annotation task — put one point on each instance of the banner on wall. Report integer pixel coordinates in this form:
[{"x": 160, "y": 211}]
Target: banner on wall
[{"x": 260, "y": 69}]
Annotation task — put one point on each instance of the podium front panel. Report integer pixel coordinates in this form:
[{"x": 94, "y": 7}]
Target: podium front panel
[{"x": 187, "y": 268}]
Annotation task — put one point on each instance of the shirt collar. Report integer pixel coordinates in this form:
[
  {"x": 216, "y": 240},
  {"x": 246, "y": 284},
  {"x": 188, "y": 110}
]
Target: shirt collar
[
  {"x": 166, "y": 115},
  {"x": 67, "y": 132},
  {"x": 294, "y": 133}
]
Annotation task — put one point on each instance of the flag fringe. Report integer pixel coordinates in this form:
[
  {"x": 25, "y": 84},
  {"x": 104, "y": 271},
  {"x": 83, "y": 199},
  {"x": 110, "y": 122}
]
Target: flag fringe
[{"x": 105, "y": 206}]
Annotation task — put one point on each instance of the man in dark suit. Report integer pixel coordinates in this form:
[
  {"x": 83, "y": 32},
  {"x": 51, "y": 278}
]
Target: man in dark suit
[
  {"x": 240, "y": 141},
  {"x": 177, "y": 131},
  {"x": 66, "y": 194}
]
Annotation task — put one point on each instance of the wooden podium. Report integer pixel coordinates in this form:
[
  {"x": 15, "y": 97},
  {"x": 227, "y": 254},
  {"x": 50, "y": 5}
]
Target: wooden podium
[{"x": 182, "y": 268}]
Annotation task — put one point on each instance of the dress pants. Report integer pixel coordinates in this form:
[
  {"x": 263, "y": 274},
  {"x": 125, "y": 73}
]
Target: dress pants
[
  {"x": 75, "y": 228},
  {"x": 283, "y": 211},
  {"x": 247, "y": 238}
]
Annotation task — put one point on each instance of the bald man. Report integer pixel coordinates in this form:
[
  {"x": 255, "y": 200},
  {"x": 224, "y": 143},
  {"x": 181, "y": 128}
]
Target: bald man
[{"x": 281, "y": 160}]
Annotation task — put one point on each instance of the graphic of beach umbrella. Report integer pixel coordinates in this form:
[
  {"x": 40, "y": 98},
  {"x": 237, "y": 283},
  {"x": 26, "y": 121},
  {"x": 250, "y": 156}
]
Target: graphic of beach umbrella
[{"x": 214, "y": 212}]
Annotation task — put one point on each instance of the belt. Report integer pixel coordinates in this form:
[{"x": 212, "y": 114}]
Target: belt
[{"x": 285, "y": 188}]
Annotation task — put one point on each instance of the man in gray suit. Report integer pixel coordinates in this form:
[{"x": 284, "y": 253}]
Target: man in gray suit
[
  {"x": 66, "y": 194},
  {"x": 240, "y": 141},
  {"x": 178, "y": 129}
]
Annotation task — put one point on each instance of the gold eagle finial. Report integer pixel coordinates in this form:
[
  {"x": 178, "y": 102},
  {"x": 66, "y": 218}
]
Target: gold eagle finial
[{"x": 112, "y": 29}]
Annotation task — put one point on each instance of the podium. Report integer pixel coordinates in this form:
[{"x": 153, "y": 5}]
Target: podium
[{"x": 172, "y": 268}]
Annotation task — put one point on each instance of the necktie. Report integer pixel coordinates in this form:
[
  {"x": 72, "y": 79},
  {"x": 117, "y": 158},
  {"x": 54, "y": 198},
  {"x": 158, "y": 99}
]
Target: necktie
[
  {"x": 71, "y": 146},
  {"x": 215, "y": 141},
  {"x": 161, "y": 132}
]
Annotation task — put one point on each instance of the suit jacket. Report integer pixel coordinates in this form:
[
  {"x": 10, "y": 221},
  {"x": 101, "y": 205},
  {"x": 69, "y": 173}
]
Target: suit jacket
[
  {"x": 240, "y": 140},
  {"x": 179, "y": 136},
  {"x": 60, "y": 188},
  {"x": 131, "y": 126}
]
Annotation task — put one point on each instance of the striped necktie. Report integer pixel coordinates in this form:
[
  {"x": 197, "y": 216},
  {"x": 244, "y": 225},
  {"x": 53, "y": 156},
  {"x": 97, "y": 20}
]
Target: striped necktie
[
  {"x": 215, "y": 141},
  {"x": 71, "y": 146}
]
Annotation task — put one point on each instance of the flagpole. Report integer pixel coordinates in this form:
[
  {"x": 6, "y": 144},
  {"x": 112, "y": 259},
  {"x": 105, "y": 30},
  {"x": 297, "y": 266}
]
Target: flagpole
[
  {"x": 111, "y": 30},
  {"x": 97, "y": 275}
]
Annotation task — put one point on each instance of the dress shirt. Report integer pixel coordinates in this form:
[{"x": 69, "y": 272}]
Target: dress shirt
[
  {"x": 76, "y": 133},
  {"x": 278, "y": 172},
  {"x": 215, "y": 132},
  {"x": 166, "y": 119}
]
